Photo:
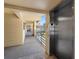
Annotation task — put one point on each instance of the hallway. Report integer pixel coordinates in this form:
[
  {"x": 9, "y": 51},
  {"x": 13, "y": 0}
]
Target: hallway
[{"x": 30, "y": 50}]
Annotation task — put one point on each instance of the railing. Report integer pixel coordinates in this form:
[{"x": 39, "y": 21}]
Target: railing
[{"x": 41, "y": 38}]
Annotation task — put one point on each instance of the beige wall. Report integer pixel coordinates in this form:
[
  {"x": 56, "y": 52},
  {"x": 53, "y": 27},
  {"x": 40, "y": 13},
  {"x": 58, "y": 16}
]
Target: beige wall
[
  {"x": 13, "y": 30},
  {"x": 47, "y": 33}
]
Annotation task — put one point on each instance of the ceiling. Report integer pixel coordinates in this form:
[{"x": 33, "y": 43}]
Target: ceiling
[
  {"x": 21, "y": 8},
  {"x": 24, "y": 15},
  {"x": 45, "y": 5},
  {"x": 28, "y": 16}
]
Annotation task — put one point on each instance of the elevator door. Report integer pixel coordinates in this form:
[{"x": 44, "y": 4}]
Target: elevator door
[{"x": 65, "y": 41}]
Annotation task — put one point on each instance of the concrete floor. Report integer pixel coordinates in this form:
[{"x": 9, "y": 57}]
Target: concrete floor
[{"x": 30, "y": 50}]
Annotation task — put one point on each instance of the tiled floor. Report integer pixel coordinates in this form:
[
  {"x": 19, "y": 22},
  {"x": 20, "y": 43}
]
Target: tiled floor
[{"x": 30, "y": 50}]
